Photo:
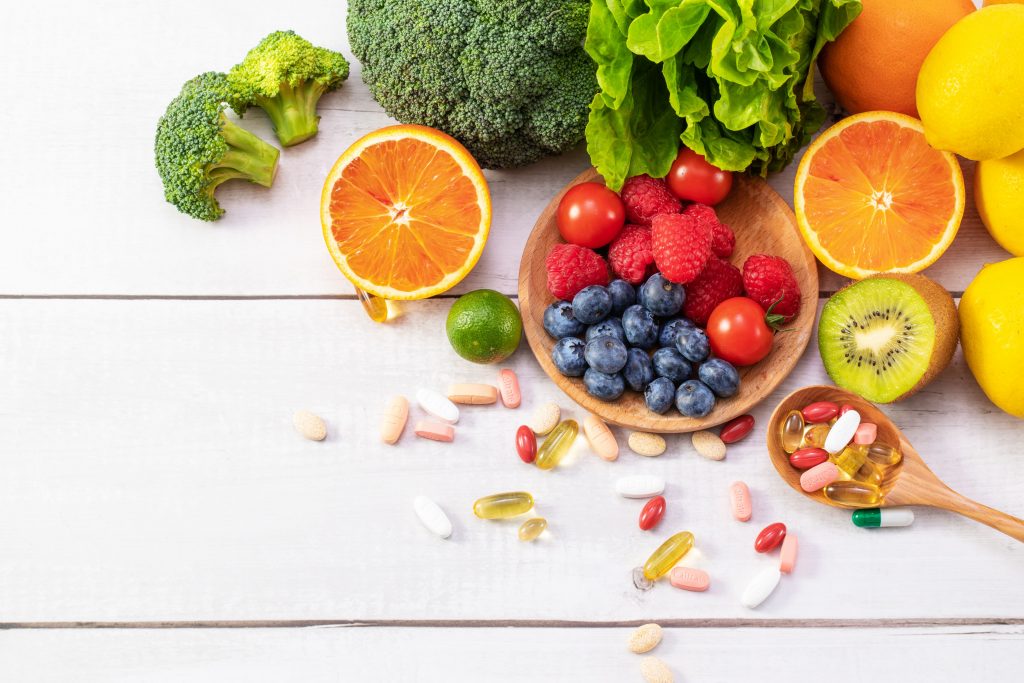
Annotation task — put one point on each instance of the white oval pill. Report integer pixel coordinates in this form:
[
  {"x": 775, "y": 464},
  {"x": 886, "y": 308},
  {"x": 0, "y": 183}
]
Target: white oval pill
[
  {"x": 432, "y": 516},
  {"x": 842, "y": 431},
  {"x": 640, "y": 486},
  {"x": 437, "y": 405},
  {"x": 761, "y": 586}
]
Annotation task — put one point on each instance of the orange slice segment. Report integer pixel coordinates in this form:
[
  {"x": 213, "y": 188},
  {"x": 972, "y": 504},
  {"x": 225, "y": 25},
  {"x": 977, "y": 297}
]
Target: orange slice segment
[
  {"x": 872, "y": 196},
  {"x": 405, "y": 212}
]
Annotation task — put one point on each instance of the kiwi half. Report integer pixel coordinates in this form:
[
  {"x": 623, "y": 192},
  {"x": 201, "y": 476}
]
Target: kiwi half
[{"x": 888, "y": 335}]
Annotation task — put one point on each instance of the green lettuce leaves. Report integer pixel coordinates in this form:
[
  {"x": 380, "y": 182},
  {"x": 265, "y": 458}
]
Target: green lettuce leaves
[{"x": 730, "y": 79}]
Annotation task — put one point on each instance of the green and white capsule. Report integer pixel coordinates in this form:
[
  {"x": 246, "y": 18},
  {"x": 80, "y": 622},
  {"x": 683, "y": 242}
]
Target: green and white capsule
[{"x": 876, "y": 517}]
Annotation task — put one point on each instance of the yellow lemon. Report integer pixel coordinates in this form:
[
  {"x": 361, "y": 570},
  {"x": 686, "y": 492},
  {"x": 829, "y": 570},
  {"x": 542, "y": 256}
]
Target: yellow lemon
[
  {"x": 999, "y": 195},
  {"x": 992, "y": 332},
  {"x": 970, "y": 90}
]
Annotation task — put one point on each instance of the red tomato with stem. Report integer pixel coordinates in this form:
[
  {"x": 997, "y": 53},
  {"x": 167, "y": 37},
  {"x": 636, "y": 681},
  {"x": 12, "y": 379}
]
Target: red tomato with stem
[
  {"x": 590, "y": 215},
  {"x": 740, "y": 332},
  {"x": 692, "y": 178}
]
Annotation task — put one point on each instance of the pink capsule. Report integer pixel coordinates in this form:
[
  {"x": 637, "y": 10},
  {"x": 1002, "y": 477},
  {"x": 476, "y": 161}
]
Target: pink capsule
[
  {"x": 508, "y": 385},
  {"x": 819, "y": 476},
  {"x": 435, "y": 431},
  {"x": 822, "y": 411},
  {"x": 865, "y": 434},
  {"x": 787, "y": 556},
  {"x": 739, "y": 499},
  {"x": 690, "y": 579}
]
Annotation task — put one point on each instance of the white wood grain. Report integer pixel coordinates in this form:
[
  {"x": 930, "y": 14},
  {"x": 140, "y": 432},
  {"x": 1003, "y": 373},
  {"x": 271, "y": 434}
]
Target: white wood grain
[
  {"x": 315, "y": 655},
  {"x": 83, "y": 208},
  {"x": 150, "y": 471}
]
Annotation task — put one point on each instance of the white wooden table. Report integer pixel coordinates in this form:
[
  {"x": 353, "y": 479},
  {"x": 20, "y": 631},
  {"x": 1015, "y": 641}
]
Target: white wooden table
[{"x": 159, "y": 519}]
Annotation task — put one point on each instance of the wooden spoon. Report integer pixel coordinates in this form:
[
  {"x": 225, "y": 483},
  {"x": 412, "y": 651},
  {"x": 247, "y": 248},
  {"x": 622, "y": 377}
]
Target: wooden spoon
[{"x": 909, "y": 482}]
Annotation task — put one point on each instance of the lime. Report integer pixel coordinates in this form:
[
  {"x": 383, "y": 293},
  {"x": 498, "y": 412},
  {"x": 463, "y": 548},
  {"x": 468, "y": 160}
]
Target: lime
[{"x": 484, "y": 326}]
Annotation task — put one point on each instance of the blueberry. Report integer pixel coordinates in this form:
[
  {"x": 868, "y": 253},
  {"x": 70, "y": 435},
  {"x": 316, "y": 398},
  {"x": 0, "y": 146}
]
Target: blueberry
[
  {"x": 605, "y": 354},
  {"x": 623, "y": 296},
  {"x": 602, "y": 385},
  {"x": 671, "y": 364},
  {"x": 720, "y": 376},
  {"x": 638, "y": 370},
  {"x": 640, "y": 327},
  {"x": 670, "y": 330},
  {"x": 592, "y": 304},
  {"x": 609, "y": 327},
  {"x": 568, "y": 356},
  {"x": 659, "y": 394},
  {"x": 694, "y": 399},
  {"x": 693, "y": 344},
  {"x": 661, "y": 297},
  {"x": 560, "y": 322}
]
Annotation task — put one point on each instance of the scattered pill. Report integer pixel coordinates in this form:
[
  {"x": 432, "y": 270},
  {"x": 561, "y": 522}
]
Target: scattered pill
[
  {"x": 640, "y": 486},
  {"x": 395, "y": 416},
  {"x": 881, "y": 517},
  {"x": 770, "y": 537},
  {"x": 791, "y": 431},
  {"x": 526, "y": 444},
  {"x": 600, "y": 437},
  {"x": 647, "y": 444},
  {"x": 309, "y": 425},
  {"x": 532, "y": 528},
  {"x": 806, "y": 458},
  {"x": 437, "y": 405},
  {"x": 819, "y": 476},
  {"x": 508, "y": 385},
  {"x": 821, "y": 411},
  {"x": 866, "y": 433},
  {"x": 434, "y": 431},
  {"x": 842, "y": 431},
  {"x": 652, "y": 513},
  {"x": 655, "y": 671},
  {"x": 432, "y": 516},
  {"x": 760, "y": 587},
  {"x": 787, "y": 556},
  {"x": 503, "y": 505},
  {"x": 544, "y": 418},
  {"x": 736, "y": 429},
  {"x": 667, "y": 555},
  {"x": 473, "y": 394},
  {"x": 644, "y": 639},
  {"x": 557, "y": 444},
  {"x": 739, "y": 500},
  {"x": 708, "y": 444},
  {"x": 690, "y": 579}
]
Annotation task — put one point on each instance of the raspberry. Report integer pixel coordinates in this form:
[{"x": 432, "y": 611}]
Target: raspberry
[
  {"x": 720, "y": 280},
  {"x": 769, "y": 281},
  {"x": 571, "y": 268},
  {"x": 646, "y": 197},
  {"x": 681, "y": 245},
  {"x": 630, "y": 255},
  {"x": 723, "y": 241}
]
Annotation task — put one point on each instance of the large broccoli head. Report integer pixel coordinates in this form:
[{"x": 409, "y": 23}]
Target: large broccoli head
[
  {"x": 507, "y": 78},
  {"x": 197, "y": 148}
]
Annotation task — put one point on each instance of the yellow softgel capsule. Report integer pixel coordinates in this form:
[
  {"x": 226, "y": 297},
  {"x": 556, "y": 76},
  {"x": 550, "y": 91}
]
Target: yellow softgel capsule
[
  {"x": 853, "y": 494},
  {"x": 881, "y": 454},
  {"x": 814, "y": 435},
  {"x": 667, "y": 555},
  {"x": 791, "y": 431},
  {"x": 557, "y": 444},
  {"x": 868, "y": 474},
  {"x": 503, "y": 505},
  {"x": 850, "y": 459},
  {"x": 532, "y": 528}
]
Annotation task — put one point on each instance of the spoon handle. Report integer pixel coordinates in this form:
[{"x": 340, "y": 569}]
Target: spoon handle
[{"x": 948, "y": 499}]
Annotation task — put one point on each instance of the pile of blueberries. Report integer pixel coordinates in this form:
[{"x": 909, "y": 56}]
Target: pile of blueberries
[{"x": 606, "y": 335}]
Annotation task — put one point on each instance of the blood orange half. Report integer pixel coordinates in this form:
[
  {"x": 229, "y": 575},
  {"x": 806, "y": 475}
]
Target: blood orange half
[
  {"x": 405, "y": 212},
  {"x": 872, "y": 196}
]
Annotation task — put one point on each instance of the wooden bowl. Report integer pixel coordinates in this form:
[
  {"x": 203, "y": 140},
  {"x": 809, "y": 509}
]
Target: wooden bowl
[{"x": 763, "y": 223}]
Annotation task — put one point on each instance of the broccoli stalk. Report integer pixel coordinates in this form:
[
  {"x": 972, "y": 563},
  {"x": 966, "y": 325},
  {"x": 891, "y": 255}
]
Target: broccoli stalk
[
  {"x": 248, "y": 157},
  {"x": 285, "y": 75}
]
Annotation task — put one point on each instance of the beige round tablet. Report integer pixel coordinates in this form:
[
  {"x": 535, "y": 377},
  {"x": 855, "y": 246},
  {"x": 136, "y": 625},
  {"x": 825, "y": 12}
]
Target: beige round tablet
[
  {"x": 709, "y": 445},
  {"x": 545, "y": 417},
  {"x": 647, "y": 444},
  {"x": 655, "y": 671},
  {"x": 644, "y": 639},
  {"x": 309, "y": 425}
]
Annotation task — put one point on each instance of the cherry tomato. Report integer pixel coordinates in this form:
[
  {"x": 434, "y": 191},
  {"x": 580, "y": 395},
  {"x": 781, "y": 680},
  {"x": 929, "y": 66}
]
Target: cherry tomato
[
  {"x": 590, "y": 215},
  {"x": 738, "y": 331},
  {"x": 694, "y": 179}
]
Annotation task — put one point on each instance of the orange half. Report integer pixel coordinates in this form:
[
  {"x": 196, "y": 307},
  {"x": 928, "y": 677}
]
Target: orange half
[
  {"x": 405, "y": 212},
  {"x": 872, "y": 196}
]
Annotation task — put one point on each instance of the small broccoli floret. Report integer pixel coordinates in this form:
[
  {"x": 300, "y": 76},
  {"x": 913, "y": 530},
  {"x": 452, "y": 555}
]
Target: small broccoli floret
[
  {"x": 285, "y": 75},
  {"x": 508, "y": 78},
  {"x": 197, "y": 148}
]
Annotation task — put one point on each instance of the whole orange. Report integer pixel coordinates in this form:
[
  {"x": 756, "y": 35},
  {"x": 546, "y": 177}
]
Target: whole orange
[{"x": 874, "y": 62}]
